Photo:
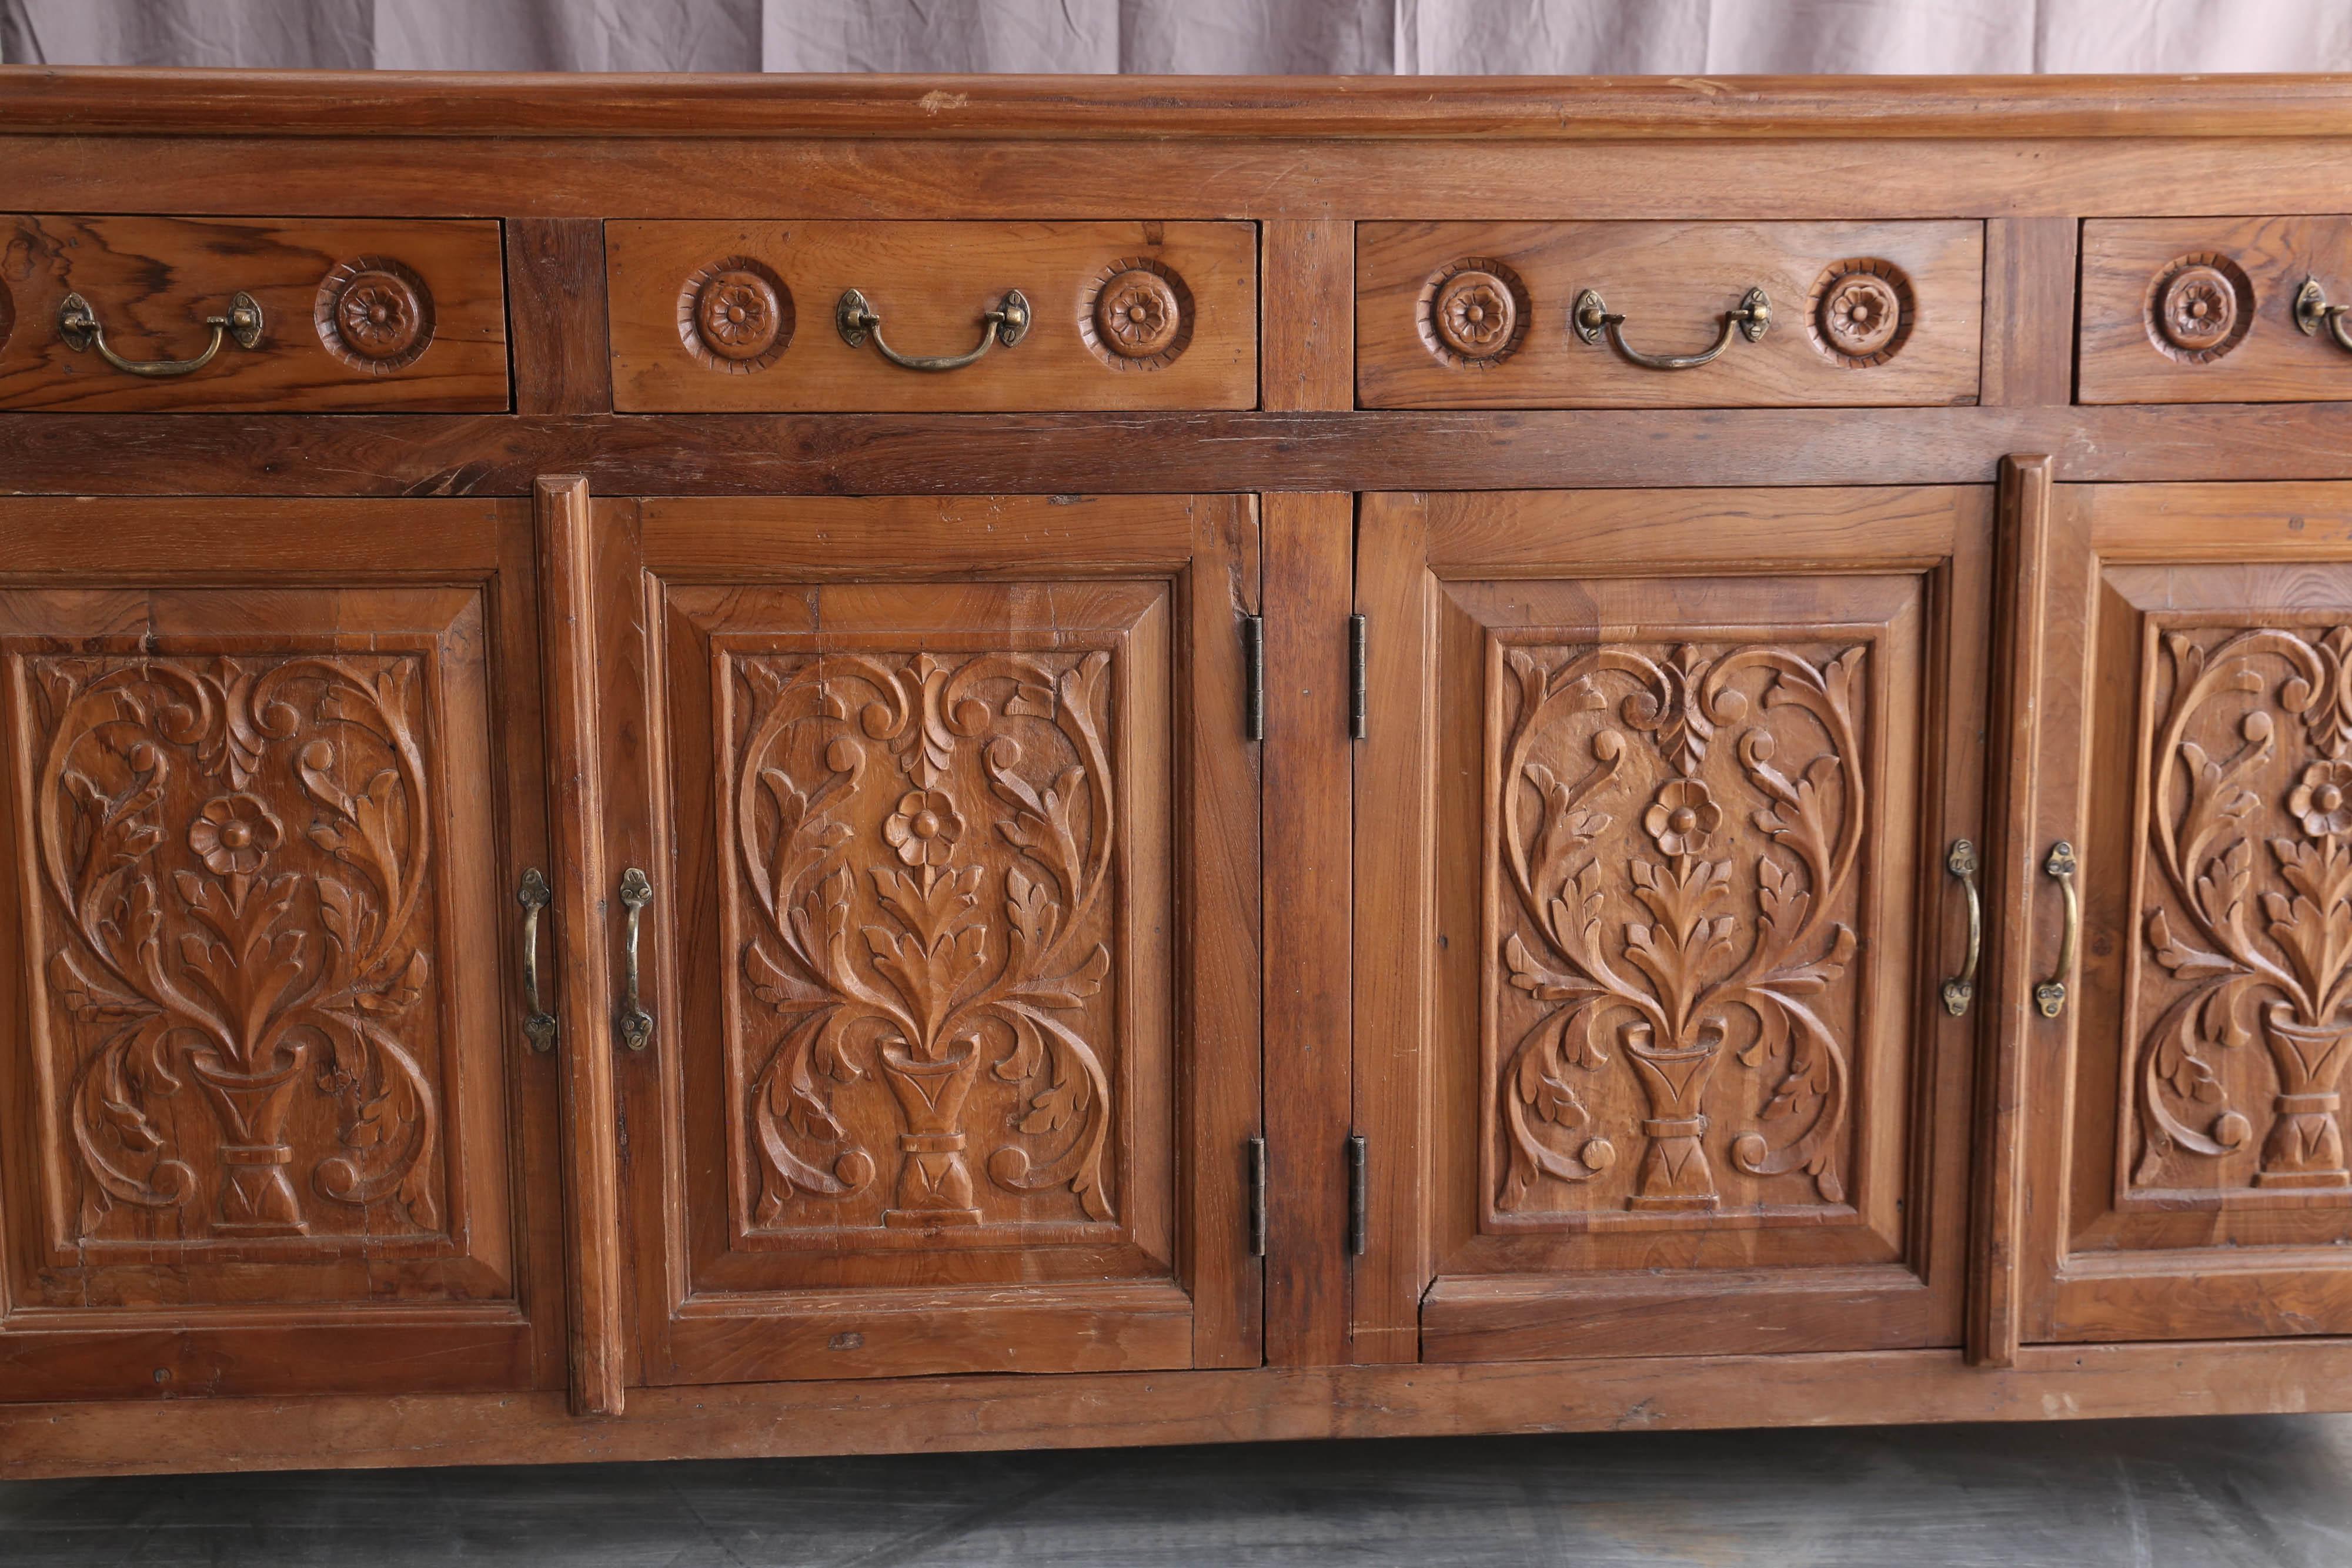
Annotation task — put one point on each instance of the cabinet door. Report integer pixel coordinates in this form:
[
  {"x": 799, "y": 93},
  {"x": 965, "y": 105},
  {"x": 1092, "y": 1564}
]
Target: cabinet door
[
  {"x": 1652, "y": 820},
  {"x": 2184, "y": 1107},
  {"x": 269, "y": 1125},
  {"x": 951, "y": 828}
]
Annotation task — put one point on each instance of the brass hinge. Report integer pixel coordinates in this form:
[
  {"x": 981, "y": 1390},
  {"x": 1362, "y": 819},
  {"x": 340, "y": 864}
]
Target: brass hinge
[
  {"x": 1257, "y": 1197},
  {"x": 1253, "y": 677},
  {"x": 1360, "y": 1195},
  {"x": 1357, "y": 678}
]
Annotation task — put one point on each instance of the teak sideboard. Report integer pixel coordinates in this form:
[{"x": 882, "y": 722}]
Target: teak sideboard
[{"x": 731, "y": 766}]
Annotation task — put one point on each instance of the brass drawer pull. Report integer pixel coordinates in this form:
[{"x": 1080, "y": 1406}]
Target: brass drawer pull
[
  {"x": 78, "y": 325},
  {"x": 2312, "y": 311},
  {"x": 857, "y": 320},
  {"x": 537, "y": 1024},
  {"x": 1750, "y": 321},
  {"x": 1962, "y": 988},
  {"x": 637, "y": 1023},
  {"x": 2049, "y": 996}
]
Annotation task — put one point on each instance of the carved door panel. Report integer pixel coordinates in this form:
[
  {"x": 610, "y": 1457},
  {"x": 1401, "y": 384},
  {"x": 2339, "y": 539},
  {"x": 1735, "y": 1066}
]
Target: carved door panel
[
  {"x": 1653, "y": 818},
  {"x": 2184, "y": 1105},
  {"x": 950, "y": 823},
  {"x": 271, "y": 781}
]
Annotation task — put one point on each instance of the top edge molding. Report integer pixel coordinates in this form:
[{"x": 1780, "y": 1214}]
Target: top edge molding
[{"x": 48, "y": 100}]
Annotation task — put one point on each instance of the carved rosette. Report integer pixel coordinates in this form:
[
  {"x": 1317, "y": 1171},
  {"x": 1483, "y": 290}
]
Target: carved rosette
[
  {"x": 375, "y": 315},
  {"x": 1860, "y": 312},
  {"x": 1472, "y": 313},
  {"x": 926, "y": 865},
  {"x": 735, "y": 316},
  {"x": 1136, "y": 315},
  {"x": 2245, "y": 967},
  {"x": 1678, "y": 831},
  {"x": 2200, "y": 308},
  {"x": 236, "y": 904}
]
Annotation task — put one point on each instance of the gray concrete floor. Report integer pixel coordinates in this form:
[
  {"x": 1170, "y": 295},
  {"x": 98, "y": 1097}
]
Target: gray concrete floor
[{"x": 2253, "y": 1492}]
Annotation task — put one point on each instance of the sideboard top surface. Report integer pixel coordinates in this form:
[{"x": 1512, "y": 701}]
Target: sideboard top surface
[{"x": 49, "y": 99}]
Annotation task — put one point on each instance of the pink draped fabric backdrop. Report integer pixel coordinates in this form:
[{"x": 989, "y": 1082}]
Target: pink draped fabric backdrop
[{"x": 1236, "y": 37}]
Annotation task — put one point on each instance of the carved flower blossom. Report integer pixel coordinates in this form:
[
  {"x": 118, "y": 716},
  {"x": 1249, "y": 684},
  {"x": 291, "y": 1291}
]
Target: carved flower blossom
[
  {"x": 2322, "y": 800},
  {"x": 1136, "y": 315},
  {"x": 233, "y": 834},
  {"x": 1682, "y": 816},
  {"x": 2199, "y": 309},
  {"x": 925, "y": 827},
  {"x": 736, "y": 313},
  {"x": 1860, "y": 312},
  {"x": 378, "y": 317},
  {"x": 1478, "y": 317}
]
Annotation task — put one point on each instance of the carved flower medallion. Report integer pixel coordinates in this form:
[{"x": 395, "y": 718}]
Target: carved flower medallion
[
  {"x": 233, "y": 834},
  {"x": 925, "y": 827},
  {"x": 1475, "y": 314},
  {"x": 375, "y": 315},
  {"x": 1860, "y": 312},
  {"x": 2322, "y": 800},
  {"x": 1682, "y": 818},
  {"x": 737, "y": 315},
  {"x": 1472, "y": 312},
  {"x": 1137, "y": 314},
  {"x": 2198, "y": 308}
]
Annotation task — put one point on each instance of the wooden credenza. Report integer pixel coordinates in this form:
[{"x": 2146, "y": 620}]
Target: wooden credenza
[{"x": 695, "y": 766}]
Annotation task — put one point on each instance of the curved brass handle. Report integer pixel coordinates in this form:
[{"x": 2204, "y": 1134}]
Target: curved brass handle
[
  {"x": 78, "y": 325},
  {"x": 1593, "y": 319},
  {"x": 856, "y": 320},
  {"x": 2049, "y": 996},
  {"x": 2312, "y": 311},
  {"x": 537, "y": 1024},
  {"x": 1962, "y": 988},
  {"x": 637, "y": 1024}
]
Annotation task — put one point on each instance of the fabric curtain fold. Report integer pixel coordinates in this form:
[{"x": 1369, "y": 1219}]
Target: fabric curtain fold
[{"x": 1438, "y": 38}]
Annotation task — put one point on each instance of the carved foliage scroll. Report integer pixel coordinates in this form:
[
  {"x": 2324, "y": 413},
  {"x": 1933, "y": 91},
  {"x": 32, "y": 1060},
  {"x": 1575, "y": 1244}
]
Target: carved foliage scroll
[
  {"x": 2243, "y": 980},
  {"x": 1672, "y": 965},
  {"x": 925, "y": 872},
  {"x": 235, "y": 923}
]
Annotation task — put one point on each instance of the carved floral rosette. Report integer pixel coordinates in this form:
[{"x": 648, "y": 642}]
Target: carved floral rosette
[
  {"x": 2241, "y": 985},
  {"x": 1860, "y": 312},
  {"x": 1473, "y": 313},
  {"x": 375, "y": 314},
  {"x": 735, "y": 315},
  {"x": 1136, "y": 314},
  {"x": 924, "y": 1000},
  {"x": 1671, "y": 967},
  {"x": 2199, "y": 308},
  {"x": 234, "y": 912}
]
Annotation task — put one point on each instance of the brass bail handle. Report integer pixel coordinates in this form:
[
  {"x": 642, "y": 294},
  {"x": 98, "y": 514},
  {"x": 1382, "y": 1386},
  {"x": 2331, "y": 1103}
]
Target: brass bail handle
[
  {"x": 1593, "y": 319},
  {"x": 538, "y": 1023},
  {"x": 637, "y": 1024},
  {"x": 857, "y": 320},
  {"x": 2049, "y": 996},
  {"x": 1962, "y": 988},
  {"x": 2312, "y": 311},
  {"x": 78, "y": 325}
]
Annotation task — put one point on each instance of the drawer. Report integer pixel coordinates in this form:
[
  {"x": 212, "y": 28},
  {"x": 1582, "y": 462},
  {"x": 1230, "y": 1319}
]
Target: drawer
[
  {"x": 1486, "y": 315},
  {"x": 339, "y": 315},
  {"x": 2203, "y": 311},
  {"x": 749, "y": 316}
]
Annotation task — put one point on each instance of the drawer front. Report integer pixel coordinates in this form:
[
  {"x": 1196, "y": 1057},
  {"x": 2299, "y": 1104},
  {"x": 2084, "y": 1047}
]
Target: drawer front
[
  {"x": 335, "y": 314},
  {"x": 745, "y": 315},
  {"x": 1486, "y": 315},
  {"x": 2204, "y": 310}
]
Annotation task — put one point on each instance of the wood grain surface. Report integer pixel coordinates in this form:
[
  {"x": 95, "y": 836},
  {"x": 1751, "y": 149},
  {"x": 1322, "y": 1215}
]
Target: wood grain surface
[{"x": 154, "y": 281}]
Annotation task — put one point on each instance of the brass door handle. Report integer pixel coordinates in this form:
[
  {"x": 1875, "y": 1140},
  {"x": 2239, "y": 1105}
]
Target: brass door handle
[
  {"x": 2049, "y": 996},
  {"x": 857, "y": 320},
  {"x": 537, "y": 1024},
  {"x": 637, "y": 1024},
  {"x": 1962, "y": 988},
  {"x": 2312, "y": 311},
  {"x": 1593, "y": 318},
  {"x": 78, "y": 325}
]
